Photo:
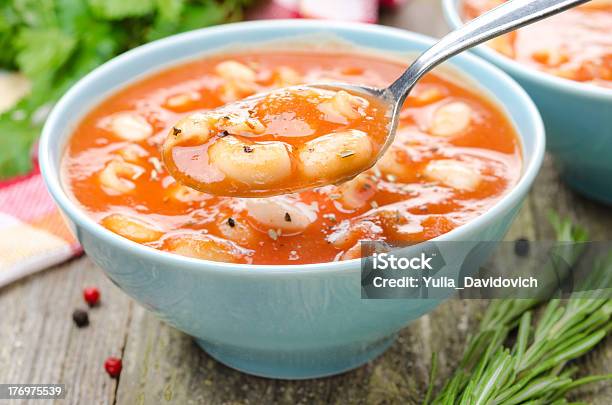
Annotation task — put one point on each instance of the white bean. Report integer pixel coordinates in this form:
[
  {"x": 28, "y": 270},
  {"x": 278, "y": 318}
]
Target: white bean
[
  {"x": 133, "y": 153},
  {"x": 354, "y": 252},
  {"x": 182, "y": 99},
  {"x": 503, "y": 44},
  {"x": 286, "y": 213},
  {"x": 357, "y": 192},
  {"x": 349, "y": 105},
  {"x": 426, "y": 95},
  {"x": 117, "y": 176},
  {"x": 348, "y": 233},
  {"x": 185, "y": 194},
  {"x": 551, "y": 57},
  {"x": 232, "y": 70},
  {"x": 129, "y": 126},
  {"x": 236, "y": 230},
  {"x": 257, "y": 164},
  {"x": 336, "y": 155},
  {"x": 453, "y": 173},
  {"x": 195, "y": 128},
  {"x": 393, "y": 162},
  {"x": 239, "y": 80},
  {"x": 241, "y": 124},
  {"x": 204, "y": 247},
  {"x": 451, "y": 119},
  {"x": 131, "y": 228},
  {"x": 285, "y": 77}
]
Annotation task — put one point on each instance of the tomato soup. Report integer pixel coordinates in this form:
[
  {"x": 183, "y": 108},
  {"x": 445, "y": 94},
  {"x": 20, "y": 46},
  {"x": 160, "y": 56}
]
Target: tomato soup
[
  {"x": 455, "y": 155},
  {"x": 576, "y": 44}
]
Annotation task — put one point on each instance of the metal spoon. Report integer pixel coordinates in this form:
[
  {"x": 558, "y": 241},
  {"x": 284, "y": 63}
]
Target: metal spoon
[
  {"x": 507, "y": 17},
  {"x": 502, "y": 19}
]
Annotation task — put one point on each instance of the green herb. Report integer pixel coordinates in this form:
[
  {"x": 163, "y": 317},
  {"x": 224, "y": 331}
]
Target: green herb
[
  {"x": 534, "y": 368},
  {"x": 56, "y": 42}
]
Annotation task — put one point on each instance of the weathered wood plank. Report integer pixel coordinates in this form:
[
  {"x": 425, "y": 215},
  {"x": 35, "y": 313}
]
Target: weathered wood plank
[{"x": 40, "y": 344}]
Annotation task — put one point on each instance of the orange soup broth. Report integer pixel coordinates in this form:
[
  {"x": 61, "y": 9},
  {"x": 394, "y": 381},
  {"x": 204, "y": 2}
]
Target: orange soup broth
[{"x": 427, "y": 209}]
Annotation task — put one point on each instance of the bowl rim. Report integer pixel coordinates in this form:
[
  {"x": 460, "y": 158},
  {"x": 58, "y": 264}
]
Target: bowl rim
[
  {"x": 51, "y": 171},
  {"x": 453, "y": 19}
]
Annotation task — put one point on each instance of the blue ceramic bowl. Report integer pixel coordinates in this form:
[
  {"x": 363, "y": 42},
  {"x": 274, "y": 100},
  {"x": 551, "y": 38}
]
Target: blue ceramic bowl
[
  {"x": 296, "y": 321},
  {"x": 577, "y": 117}
]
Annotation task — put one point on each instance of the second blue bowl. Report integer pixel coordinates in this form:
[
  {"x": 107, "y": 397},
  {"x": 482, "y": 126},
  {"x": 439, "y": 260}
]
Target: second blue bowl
[{"x": 577, "y": 116}]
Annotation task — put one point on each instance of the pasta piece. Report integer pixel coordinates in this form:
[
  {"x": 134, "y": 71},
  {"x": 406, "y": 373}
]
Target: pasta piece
[
  {"x": 133, "y": 153},
  {"x": 451, "y": 119},
  {"x": 185, "y": 194},
  {"x": 348, "y": 233},
  {"x": 285, "y": 77},
  {"x": 129, "y": 126},
  {"x": 117, "y": 176},
  {"x": 254, "y": 163},
  {"x": 131, "y": 228},
  {"x": 550, "y": 57},
  {"x": 240, "y": 124},
  {"x": 350, "y": 106},
  {"x": 182, "y": 100},
  {"x": 205, "y": 247},
  {"x": 453, "y": 173},
  {"x": 194, "y": 129},
  {"x": 424, "y": 96},
  {"x": 232, "y": 70},
  {"x": 394, "y": 162},
  {"x": 504, "y": 44},
  {"x": 357, "y": 192},
  {"x": 343, "y": 107},
  {"x": 336, "y": 155},
  {"x": 237, "y": 231},
  {"x": 239, "y": 80},
  {"x": 354, "y": 252},
  {"x": 284, "y": 213}
]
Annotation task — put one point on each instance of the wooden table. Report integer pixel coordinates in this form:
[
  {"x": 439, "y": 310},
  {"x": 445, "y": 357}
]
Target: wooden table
[{"x": 39, "y": 344}]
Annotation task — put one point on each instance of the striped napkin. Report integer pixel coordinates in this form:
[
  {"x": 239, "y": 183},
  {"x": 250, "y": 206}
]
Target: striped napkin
[
  {"x": 33, "y": 234},
  {"x": 346, "y": 10}
]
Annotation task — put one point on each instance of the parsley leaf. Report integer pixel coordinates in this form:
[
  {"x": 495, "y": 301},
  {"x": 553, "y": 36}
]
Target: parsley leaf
[
  {"x": 56, "y": 42},
  {"x": 119, "y": 9}
]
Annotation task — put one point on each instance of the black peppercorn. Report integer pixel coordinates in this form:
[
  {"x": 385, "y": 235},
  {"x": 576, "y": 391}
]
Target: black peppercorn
[
  {"x": 521, "y": 247},
  {"x": 80, "y": 318}
]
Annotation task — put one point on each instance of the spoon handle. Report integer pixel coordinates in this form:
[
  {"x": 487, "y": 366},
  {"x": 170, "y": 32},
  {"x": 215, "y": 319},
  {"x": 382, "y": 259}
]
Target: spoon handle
[{"x": 502, "y": 19}]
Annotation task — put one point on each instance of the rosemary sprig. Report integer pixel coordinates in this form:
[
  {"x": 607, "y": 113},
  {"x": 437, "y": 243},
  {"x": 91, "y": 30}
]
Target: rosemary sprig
[{"x": 533, "y": 370}]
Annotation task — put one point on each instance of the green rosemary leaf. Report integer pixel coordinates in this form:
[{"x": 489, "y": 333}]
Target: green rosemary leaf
[
  {"x": 536, "y": 388},
  {"x": 533, "y": 370},
  {"x": 522, "y": 336},
  {"x": 432, "y": 377}
]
